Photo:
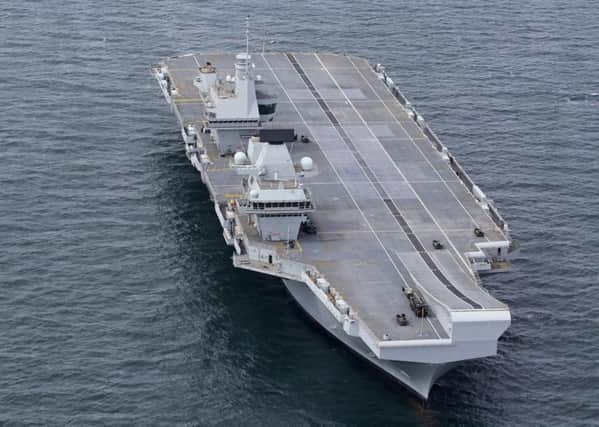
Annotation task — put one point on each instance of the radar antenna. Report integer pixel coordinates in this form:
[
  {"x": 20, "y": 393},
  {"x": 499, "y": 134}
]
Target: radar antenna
[{"x": 247, "y": 43}]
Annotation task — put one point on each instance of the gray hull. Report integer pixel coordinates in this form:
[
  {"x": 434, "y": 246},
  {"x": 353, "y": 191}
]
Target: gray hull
[
  {"x": 396, "y": 227},
  {"x": 416, "y": 377}
]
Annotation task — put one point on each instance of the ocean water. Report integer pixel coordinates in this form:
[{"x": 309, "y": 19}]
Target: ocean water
[{"x": 118, "y": 301}]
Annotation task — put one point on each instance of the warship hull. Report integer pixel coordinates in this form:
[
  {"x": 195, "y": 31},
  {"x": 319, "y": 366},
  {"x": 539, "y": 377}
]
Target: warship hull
[
  {"x": 350, "y": 198},
  {"x": 416, "y": 378}
]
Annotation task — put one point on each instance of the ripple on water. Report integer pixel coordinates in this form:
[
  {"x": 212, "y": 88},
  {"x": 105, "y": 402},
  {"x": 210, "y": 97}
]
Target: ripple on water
[{"x": 119, "y": 304}]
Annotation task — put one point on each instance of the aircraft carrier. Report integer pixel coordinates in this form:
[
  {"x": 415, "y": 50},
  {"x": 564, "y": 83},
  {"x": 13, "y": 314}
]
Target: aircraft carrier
[{"x": 323, "y": 174}]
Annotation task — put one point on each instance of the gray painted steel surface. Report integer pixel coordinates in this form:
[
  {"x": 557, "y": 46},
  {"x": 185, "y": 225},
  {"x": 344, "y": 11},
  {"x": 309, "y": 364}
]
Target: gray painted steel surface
[{"x": 382, "y": 186}]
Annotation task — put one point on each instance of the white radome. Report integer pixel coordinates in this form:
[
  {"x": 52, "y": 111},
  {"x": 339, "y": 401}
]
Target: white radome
[
  {"x": 240, "y": 158},
  {"x": 307, "y": 163}
]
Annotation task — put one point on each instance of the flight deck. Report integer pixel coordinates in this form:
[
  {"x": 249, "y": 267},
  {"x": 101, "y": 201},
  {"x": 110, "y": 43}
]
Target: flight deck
[{"x": 393, "y": 208}]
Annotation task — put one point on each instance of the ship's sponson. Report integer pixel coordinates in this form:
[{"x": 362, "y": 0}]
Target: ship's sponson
[{"x": 394, "y": 231}]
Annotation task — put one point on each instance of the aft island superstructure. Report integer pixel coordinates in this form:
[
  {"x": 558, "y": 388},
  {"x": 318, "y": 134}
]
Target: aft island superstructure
[{"x": 324, "y": 175}]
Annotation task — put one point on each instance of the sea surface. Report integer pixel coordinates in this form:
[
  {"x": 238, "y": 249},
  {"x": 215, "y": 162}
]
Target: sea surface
[{"x": 118, "y": 301}]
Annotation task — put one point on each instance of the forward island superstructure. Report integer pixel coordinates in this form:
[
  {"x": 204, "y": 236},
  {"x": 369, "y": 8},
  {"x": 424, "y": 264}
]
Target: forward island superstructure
[{"x": 324, "y": 175}]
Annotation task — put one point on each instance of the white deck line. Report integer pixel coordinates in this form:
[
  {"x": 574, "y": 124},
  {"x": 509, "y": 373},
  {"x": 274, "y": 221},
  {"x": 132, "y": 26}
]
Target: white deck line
[
  {"x": 376, "y": 191},
  {"x": 462, "y": 260},
  {"x": 416, "y": 145},
  {"x": 388, "y": 182},
  {"x": 350, "y": 195}
]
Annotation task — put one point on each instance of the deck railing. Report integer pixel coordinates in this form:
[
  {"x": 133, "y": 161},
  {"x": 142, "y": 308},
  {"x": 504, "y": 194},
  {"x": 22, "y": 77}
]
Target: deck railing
[{"x": 436, "y": 142}]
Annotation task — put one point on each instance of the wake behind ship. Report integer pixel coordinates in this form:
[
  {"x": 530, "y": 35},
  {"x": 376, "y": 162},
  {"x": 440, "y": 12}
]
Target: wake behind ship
[{"x": 324, "y": 175}]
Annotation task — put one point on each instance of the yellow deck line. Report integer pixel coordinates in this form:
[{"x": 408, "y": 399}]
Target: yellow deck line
[{"x": 187, "y": 100}]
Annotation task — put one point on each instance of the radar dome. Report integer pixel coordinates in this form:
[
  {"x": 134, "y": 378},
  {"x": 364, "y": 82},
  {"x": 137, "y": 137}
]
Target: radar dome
[
  {"x": 240, "y": 158},
  {"x": 307, "y": 163},
  {"x": 254, "y": 194}
]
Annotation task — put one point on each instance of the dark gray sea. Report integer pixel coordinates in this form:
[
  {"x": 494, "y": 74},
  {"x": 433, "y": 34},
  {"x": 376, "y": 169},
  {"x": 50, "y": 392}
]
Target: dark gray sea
[{"x": 118, "y": 301}]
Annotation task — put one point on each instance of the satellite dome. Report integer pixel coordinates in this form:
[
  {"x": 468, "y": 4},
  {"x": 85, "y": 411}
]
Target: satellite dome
[
  {"x": 307, "y": 163},
  {"x": 254, "y": 194},
  {"x": 240, "y": 158}
]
